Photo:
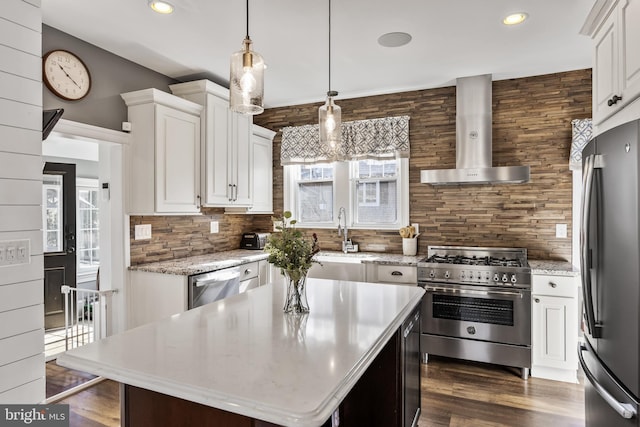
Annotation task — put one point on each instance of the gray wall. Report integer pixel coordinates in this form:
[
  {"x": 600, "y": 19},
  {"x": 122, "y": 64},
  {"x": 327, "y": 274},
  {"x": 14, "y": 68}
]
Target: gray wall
[{"x": 111, "y": 75}]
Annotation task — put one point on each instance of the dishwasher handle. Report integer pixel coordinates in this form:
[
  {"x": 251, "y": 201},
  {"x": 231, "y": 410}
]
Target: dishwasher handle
[{"x": 222, "y": 276}]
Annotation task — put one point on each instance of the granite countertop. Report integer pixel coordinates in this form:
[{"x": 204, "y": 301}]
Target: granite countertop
[
  {"x": 219, "y": 260},
  {"x": 251, "y": 358},
  {"x": 554, "y": 268},
  {"x": 374, "y": 257},
  {"x": 202, "y": 263}
]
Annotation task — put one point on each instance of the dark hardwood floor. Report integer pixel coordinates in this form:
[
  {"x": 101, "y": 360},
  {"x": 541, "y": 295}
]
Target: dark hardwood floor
[{"x": 454, "y": 394}]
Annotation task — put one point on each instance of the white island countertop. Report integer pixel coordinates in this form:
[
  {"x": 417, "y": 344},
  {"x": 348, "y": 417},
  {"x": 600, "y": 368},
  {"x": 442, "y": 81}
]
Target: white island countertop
[{"x": 245, "y": 356}]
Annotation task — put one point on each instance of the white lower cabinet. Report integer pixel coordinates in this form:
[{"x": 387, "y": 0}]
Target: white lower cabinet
[{"x": 554, "y": 329}]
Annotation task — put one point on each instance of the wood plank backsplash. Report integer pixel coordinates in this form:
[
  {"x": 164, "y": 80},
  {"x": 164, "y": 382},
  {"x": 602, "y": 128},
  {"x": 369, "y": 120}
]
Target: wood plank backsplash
[{"x": 531, "y": 126}]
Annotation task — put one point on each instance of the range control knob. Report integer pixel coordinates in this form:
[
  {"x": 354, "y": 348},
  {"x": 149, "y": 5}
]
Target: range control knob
[
  {"x": 462, "y": 275},
  {"x": 505, "y": 279},
  {"x": 496, "y": 278},
  {"x": 447, "y": 274},
  {"x": 432, "y": 274},
  {"x": 513, "y": 278},
  {"x": 487, "y": 276}
]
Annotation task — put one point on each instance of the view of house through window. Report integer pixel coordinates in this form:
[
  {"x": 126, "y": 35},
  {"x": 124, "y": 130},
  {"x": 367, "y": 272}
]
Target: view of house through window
[
  {"x": 88, "y": 243},
  {"x": 52, "y": 213},
  {"x": 373, "y": 196}
]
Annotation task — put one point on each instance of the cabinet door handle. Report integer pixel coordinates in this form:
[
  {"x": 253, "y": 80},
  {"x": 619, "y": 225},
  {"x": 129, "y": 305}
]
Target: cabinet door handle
[
  {"x": 614, "y": 100},
  {"x": 536, "y": 299},
  {"x": 198, "y": 204},
  {"x": 553, "y": 285},
  {"x": 247, "y": 271},
  {"x": 235, "y": 192},
  {"x": 396, "y": 273},
  {"x": 230, "y": 192}
]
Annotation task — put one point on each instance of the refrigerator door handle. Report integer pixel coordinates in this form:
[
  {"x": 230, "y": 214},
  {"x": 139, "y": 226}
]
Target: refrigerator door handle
[
  {"x": 591, "y": 163},
  {"x": 625, "y": 410}
]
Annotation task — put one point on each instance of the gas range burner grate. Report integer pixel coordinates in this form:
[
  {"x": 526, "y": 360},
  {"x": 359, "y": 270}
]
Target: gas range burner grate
[{"x": 473, "y": 260}]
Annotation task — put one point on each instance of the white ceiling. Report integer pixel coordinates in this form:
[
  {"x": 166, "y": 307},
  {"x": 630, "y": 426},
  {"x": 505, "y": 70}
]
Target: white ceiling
[{"x": 451, "y": 38}]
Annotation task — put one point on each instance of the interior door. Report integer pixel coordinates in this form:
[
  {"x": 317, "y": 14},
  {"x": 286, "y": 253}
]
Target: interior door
[{"x": 59, "y": 238}]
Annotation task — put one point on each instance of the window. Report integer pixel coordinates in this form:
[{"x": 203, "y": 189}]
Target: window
[
  {"x": 52, "y": 212},
  {"x": 374, "y": 193},
  {"x": 88, "y": 226}
]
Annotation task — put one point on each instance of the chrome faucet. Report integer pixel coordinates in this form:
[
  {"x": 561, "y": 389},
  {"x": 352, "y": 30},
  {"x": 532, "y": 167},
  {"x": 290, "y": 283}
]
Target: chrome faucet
[{"x": 343, "y": 231}]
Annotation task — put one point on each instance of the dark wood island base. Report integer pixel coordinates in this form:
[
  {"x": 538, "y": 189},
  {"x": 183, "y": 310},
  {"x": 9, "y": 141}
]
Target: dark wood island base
[{"x": 374, "y": 401}]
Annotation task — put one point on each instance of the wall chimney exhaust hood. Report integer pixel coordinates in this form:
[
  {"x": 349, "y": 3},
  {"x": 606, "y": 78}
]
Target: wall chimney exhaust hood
[{"x": 473, "y": 141}]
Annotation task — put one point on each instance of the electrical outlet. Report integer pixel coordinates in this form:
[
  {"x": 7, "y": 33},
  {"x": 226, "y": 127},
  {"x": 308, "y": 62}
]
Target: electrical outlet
[
  {"x": 142, "y": 232},
  {"x": 561, "y": 231},
  {"x": 214, "y": 227},
  {"x": 277, "y": 224},
  {"x": 416, "y": 226}
]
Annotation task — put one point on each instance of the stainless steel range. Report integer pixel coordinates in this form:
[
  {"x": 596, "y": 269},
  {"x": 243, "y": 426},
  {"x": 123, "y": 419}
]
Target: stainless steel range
[{"x": 477, "y": 305}]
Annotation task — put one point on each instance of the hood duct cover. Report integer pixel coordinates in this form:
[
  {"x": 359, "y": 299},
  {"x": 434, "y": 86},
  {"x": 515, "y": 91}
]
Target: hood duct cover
[{"x": 473, "y": 141}]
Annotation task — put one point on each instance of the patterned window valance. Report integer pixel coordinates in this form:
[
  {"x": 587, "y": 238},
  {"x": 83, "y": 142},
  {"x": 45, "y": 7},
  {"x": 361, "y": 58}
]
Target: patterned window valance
[
  {"x": 384, "y": 138},
  {"x": 582, "y": 131}
]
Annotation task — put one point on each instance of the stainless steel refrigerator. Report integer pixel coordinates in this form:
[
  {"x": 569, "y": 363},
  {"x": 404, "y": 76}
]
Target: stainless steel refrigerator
[{"x": 610, "y": 251}]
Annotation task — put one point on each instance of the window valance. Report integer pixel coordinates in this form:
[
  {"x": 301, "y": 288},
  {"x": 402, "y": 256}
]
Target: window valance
[
  {"x": 582, "y": 132},
  {"x": 383, "y": 138}
]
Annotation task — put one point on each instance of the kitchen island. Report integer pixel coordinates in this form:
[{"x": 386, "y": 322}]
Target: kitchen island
[{"x": 242, "y": 361}]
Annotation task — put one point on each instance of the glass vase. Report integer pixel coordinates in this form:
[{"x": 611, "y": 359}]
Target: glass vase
[{"x": 296, "y": 295}]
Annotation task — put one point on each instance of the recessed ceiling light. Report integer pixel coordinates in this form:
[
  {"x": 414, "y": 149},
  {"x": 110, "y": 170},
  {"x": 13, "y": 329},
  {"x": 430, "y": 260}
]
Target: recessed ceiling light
[
  {"x": 161, "y": 6},
  {"x": 395, "y": 39},
  {"x": 515, "y": 18}
]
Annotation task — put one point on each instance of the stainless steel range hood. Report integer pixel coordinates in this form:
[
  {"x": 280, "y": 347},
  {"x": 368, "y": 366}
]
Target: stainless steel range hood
[{"x": 473, "y": 141}]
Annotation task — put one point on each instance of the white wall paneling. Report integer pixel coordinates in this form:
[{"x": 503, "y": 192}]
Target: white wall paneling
[
  {"x": 21, "y": 346},
  {"x": 21, "y": 320},
  {"x": 21, "y": 372},
  {"x": 13, "y": 218},
  {"x": 16, "y": 140},
  {"x": 21, "y": 286},
  {"x": 24, "y": 393},
  {"x": 21, "y": 64},
  {"x": 20, "y": 295},
  {"x": 21, "y": 166}
]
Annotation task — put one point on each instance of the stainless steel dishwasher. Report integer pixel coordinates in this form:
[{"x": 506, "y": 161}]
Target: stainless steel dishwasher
[
  {"x": 410, "y": 369},
  {"x": 216, "y": 285}
]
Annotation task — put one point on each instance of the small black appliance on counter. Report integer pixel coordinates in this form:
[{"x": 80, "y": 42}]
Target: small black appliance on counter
[{"x": 253, "y": 240}]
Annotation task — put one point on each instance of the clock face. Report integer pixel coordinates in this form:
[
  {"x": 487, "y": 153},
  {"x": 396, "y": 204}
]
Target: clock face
[{"x": 66, "y": 75}]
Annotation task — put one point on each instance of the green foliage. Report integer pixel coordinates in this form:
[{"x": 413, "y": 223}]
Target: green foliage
[{"x": 289, "y": 250}]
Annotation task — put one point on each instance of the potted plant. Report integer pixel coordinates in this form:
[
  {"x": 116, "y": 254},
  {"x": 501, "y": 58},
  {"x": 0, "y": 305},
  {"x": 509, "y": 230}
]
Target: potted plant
[{"x": 293, "y": 255}]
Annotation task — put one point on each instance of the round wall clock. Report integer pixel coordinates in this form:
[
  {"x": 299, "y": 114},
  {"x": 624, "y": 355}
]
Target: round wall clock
[{"x": 66, "y": 75}]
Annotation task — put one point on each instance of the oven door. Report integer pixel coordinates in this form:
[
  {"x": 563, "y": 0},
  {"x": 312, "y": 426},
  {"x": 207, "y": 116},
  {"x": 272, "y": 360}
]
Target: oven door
[{"x": 483, "y": 313}]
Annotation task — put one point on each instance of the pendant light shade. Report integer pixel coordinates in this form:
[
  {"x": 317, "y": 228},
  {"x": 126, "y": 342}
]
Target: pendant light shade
[
  {"x": 330, "y": 115},
  {"x": 246, "y": 82}
]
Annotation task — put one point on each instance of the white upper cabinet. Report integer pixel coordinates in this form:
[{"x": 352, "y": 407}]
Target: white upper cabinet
[
  {"x": 164, "y": 162},
  {"x": 226, "y": 146},
  {"x": 614, "y": 28},
  {"x": 262, "y": 182}
]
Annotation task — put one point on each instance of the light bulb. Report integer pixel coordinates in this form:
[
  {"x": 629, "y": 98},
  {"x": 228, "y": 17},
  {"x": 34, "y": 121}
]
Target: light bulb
[
  {"x": 247, "y": 81},
  {"x": 330, "y": 123}
]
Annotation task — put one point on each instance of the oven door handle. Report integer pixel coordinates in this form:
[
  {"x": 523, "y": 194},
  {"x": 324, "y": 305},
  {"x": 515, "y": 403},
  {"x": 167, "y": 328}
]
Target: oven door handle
[{"x": 473, "y": 291}]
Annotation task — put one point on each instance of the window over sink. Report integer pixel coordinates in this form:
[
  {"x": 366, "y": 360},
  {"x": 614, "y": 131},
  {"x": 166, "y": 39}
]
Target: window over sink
[{"x": 375, "y": 193}]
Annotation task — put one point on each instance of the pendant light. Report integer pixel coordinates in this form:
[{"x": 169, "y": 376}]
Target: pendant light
[
  {"x": 329, "y": 114},
  {"x": 246, "y": 82}
]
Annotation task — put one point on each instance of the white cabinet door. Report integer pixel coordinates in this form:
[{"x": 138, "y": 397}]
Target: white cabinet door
[
  {"x": 241, "y": 171},
  {"x": 177, "y": 161},
  {"x": 629, "y": 23},
  {"x": 605, "y": 71},
  {"x": 554, "y": 332},
  {"x": 216, "y": 148},
  {"x": 262, "y": 155},
  {"x": 164, "y": 154}
]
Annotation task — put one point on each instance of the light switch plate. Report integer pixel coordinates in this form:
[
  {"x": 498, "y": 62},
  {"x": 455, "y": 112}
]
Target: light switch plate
[
  {"x": 214, "y": 227},
  {"x": 142, "y": 232},
  {"x": 13, "y": 252},
  {"x": 561, "y": 231}
]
